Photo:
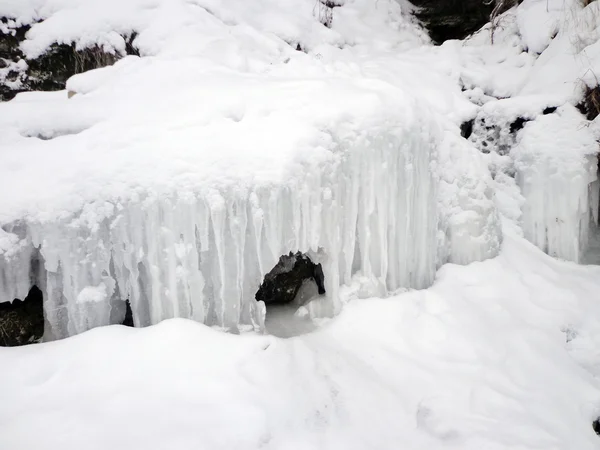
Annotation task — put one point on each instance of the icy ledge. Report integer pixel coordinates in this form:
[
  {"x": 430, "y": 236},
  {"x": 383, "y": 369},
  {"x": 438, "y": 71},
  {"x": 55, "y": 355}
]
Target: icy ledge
[
  {"x": 371, "y": 186},
  {"x": 556, "y": 162}
]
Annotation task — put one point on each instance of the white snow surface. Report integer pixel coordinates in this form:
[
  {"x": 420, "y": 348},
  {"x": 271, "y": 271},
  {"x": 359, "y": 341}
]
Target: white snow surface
[
  {"x": 177, "y": 179},
  {"x": 499, "y": 354}
]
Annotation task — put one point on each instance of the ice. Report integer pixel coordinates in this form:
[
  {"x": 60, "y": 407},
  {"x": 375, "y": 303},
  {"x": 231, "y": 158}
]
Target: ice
[
  {"x": 469, "y": 218},
  {"x": 177, "y": 180},
  {"x": 203, "y": 257},
  {"x": 201, "y": 252},
  {"x": 197, "y": 244},
  {"x": 556, "y": 168}
]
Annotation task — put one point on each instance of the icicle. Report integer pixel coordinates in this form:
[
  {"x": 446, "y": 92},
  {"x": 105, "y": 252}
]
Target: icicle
[{"x": 369, "y": 209}]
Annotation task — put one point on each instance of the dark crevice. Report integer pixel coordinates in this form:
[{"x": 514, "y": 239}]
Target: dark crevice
[
  {"x": 282, "y": 284},
  {"x": 518, "y": 124},
  {"x": 466, "y": 128},
  {"x": 50, "y": 71},
  {"x": 128, "y": 320},
  {"x": 22, "y": 321}
]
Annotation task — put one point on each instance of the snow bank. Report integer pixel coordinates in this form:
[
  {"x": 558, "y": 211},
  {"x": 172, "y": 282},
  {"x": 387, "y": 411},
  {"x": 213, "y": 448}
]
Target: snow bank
[
  {"x": 228, "y": 32},
  {"x": 464, "y": 364},
  {"x": 556, "y": 160}
]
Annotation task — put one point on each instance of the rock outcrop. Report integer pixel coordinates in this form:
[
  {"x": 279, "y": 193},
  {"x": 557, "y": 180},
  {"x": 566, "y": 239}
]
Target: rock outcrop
[
  {"x": 22, "y": 321},
  {"x": 454, "y": 19},
  {"x": 282, "y": 284},
  {"x": 51, "y": 70}
]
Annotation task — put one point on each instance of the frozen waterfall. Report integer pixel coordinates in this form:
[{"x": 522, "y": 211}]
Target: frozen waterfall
[
  {"x": 203, "y": 255},
  {"x": 556, "y": 166},
  {"x": 185, "y": 218}
]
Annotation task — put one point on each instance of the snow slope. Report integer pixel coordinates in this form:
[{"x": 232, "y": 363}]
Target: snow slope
[{"x": 496, "y": 355}]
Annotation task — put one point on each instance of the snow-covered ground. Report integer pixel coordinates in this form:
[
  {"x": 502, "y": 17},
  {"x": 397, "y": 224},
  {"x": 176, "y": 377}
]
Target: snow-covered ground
[
  {"x": 249, "y": 129},
  {"x": 496, "y": 355}
]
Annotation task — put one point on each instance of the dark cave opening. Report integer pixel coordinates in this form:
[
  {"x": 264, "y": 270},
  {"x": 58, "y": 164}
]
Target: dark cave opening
[
  {"x": 292, "y": 283},
  {"x": 22, "y": 321}
]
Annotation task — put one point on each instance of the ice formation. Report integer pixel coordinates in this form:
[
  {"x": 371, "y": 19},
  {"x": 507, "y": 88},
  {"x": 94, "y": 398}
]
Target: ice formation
[
  {"x": 527, "y": 124},
  {"x": 177, "y": 182},
  {"x": 553, "y": 160},
  {"x": 203, "y": 256},
  {"x": 376, "y": 198},
  {"x": 556, "y": 163}
]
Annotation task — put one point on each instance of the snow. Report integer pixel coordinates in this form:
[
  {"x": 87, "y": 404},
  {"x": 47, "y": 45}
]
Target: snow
[
  {"x": 464, "y": 364},
  {"x": 539, "y": 22},
  {"x": 92, "y": 294},
  {"x": 247, "y": 130}
]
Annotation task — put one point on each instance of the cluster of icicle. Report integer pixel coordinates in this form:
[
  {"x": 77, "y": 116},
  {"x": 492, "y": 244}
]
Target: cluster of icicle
[
  {"x": 553, "y": 159},
  {"x": 203, "y": 255}
]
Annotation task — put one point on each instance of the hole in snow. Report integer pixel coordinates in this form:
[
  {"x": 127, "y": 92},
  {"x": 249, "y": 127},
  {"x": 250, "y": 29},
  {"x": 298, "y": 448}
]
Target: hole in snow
[{"x": 290, "y": 285}]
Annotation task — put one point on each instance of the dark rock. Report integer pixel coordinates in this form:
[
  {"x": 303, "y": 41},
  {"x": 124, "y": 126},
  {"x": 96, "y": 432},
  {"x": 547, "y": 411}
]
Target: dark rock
[
  {"x": 51, "y": 71},
  {"x": 466, "y": 128},
  {"x": 518, "y": 124},
  {"x": 22, "y": 322},
  {"x": 455, "y": 19},
  {"x": 452, "y": 19},
  {"x": 128, "y": 320},
  {"x": 596, "y": 425},
  {"x": 281, "y": 285},
  {"x": 549, "y": 110},
  {"x": 590, "y": 105}
]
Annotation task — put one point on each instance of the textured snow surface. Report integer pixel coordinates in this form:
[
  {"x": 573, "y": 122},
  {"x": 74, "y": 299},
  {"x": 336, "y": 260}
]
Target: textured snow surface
[
  {"x": 496, "y": 355},
  {"x": 176, "y": 180}
]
